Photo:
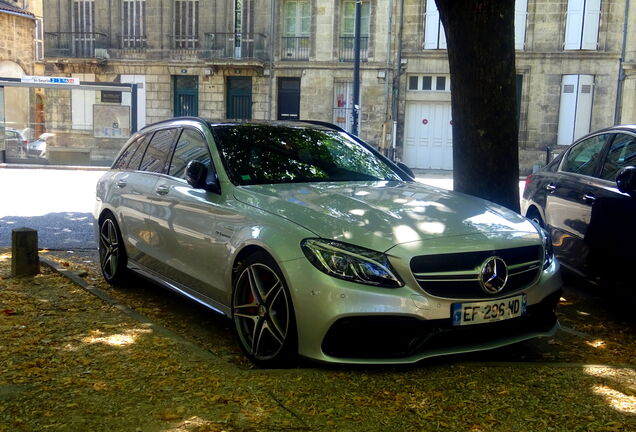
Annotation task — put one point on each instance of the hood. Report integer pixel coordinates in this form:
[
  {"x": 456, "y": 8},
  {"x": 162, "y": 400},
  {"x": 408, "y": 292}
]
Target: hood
[{"x": 380, "y": 215}]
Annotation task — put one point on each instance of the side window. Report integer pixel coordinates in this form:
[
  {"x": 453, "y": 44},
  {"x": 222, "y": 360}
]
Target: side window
[
  {"x": 584, "y": 157},
  {"x": 129, "y": 153},
  {"x": 622, "y": 153},
  {"x": 191, "y": 146},
  {"x": 156, "y": 155}
]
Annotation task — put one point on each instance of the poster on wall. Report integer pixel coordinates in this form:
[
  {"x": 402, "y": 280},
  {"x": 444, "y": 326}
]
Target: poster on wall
[{"x": 111, "y": 121}]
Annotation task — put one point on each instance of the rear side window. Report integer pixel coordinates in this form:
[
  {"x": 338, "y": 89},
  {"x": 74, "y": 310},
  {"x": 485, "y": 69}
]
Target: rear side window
[
  {"x": 584, "y": 157},
  {"x": 622, "y": 153},
  {"x": 156, "y": 155},
  {"x": 128, "y": 154},
  {"x": 191, "y": 146}
]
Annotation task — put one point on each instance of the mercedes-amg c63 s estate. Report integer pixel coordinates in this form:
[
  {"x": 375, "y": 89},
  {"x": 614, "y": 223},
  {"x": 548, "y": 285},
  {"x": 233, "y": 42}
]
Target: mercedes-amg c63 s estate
[{"x": 314, "y": 244}]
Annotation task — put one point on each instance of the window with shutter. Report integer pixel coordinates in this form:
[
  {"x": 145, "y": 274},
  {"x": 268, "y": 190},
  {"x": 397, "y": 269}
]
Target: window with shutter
[
  {"x": 582, "y": 25},
  {"x": 434, "y": 34},
  {"x": 521, "y": 12},
  {"x": 186, "y": 24},
  {"x": 133, "y": 23},
  {"x": 575, "y": 111}
]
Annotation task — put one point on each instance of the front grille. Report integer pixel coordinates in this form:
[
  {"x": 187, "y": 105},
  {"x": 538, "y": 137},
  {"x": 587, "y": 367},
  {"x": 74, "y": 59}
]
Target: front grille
[
  {"x": 369, "y": 337},
  {"x": 456, "y": 275}
]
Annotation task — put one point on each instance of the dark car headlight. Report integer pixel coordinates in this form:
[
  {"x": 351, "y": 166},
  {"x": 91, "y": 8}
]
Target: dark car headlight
[
  {"x": 548, "y": 250},
  {"x": 351, "y": 263}
]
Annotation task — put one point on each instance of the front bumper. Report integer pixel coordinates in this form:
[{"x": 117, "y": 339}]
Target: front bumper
[{"x": 344, "y": 322}]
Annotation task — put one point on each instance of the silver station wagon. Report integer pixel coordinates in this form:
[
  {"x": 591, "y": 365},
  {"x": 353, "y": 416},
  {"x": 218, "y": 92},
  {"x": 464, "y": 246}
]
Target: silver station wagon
[{"x": 314, "y": 244}]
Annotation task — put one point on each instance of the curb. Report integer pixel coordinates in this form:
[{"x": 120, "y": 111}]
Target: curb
[
  {"x": 101, "y": 294},
  {"x": 54, "y": 167}
]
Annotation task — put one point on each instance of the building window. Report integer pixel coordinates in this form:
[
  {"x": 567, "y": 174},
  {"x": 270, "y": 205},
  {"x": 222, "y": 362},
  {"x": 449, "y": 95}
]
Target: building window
[
  {"x": 439, "y": 83},
  {"x": 83, "y": 28},
  {"x": 186, "y": 24},
  {"x": 133, "y": 23},
  {"x": 347, "y": 31},
  {"x": 343, "y": 104},
  {"x": 434, "y": 34},
  {"x": 38, "y": 39},
  {"x": 582, "y": 23},
  {"x": 521, "y": 13},
  {"x": 297, "y": 27},
  {"x": 575, "y": 110}
]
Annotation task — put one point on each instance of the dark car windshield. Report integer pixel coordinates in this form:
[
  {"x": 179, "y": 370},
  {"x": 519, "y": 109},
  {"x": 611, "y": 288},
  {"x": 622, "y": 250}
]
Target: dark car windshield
[{"x": 264, "y": 154}]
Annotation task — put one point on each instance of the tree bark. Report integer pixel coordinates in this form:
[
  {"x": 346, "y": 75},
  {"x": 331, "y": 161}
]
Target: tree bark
[{"x": 481, "y": 54}]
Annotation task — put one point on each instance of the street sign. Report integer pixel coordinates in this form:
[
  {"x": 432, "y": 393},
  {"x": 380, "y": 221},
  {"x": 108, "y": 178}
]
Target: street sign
[{"x": 50, "y": 80}]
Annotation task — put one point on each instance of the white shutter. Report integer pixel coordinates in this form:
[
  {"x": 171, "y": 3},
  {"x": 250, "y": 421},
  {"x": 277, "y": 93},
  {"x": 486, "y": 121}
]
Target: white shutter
[
  {"x": 591, "y": 21},
  {"x": 584, "y": 106},
  {"x": 141, "y": 97},
  {"x": 82, "y": 102},
  {"x": 574, "y": 25},
  {"x": 442, "y": 36},
  {"x": 567, "y": 109},
  {"x": 432, "y": 26},
  {"x": 521, "y": 11}
]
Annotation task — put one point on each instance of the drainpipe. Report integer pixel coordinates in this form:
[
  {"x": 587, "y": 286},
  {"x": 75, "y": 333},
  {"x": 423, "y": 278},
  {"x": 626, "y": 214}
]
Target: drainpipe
[
  {"x": 387, "y": 67},
  {"x": 270, "y": 91},
  {"x": 621, "y": 73},
  {"x": 396, "y": 82}
]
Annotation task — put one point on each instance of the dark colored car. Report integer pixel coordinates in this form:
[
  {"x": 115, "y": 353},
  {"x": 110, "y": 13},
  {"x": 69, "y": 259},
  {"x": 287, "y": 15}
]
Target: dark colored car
[{"x": 586, "y": 198}]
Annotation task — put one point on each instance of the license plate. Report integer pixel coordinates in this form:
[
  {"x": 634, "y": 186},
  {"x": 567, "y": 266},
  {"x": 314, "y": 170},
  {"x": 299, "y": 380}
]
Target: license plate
[{"x": 488, "y": 311}]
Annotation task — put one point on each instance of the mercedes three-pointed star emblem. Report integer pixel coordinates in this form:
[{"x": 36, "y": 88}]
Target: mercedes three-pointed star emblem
[{"x": 494, "y": 275}]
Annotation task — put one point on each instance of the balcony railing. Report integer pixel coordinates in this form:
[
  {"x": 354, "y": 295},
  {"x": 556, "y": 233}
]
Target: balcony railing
[
  {"x": 294, "y": 48},
  {"x": 76, "y": 44},
  {"x": 222, "y": 46},
  {"x": 243, "y": 46},
  {"x": 346, "y": 52}
]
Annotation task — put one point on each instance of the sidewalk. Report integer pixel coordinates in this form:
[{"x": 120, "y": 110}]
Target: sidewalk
[{"x": 71, "y": 361}]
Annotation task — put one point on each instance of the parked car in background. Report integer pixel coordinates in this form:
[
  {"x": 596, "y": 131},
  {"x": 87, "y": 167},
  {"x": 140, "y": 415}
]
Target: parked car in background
[
  {"x": 37, "y": 148},
  {"x": 586, "y": 198},
  {"x": 16, "y": 142},
  {"x": 315, "y": 244}
]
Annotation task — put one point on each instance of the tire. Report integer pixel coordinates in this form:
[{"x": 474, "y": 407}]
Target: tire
[
  {"x": 263, "y": 313},
  {"x": 533, "y": 215},
  {"x": 112, "y": 253}
]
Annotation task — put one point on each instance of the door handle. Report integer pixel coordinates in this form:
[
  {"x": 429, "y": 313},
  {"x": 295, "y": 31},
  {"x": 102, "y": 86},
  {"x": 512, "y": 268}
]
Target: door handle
[
  {"x": 162, "y": 190},
  {"x": 589, "y": 198},
  {"x": 550, "y": 187},
  {"x": 121, "y": 183}
]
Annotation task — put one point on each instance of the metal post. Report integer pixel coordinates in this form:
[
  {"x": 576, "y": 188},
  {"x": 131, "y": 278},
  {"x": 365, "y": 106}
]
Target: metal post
[
  {"x": 356, "y": 70},
  {"x": 133, "y": 108}
]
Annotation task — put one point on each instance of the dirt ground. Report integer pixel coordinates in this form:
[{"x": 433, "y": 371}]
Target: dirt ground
[{"x": 152, "y": 361}]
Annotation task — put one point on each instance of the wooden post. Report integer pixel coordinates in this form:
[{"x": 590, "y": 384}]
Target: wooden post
[{"x": 24, "y": 252}]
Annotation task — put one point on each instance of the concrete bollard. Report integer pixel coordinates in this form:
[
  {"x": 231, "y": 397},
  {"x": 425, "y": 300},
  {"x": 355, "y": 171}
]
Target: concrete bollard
[{"x": 24, "y": 252}]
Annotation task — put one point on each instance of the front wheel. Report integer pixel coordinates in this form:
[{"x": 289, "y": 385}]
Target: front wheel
[{"x": 263, "y": 313}]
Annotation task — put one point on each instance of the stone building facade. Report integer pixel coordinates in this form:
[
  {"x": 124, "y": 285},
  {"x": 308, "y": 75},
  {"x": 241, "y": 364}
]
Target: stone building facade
[{"x": 264, "y": 59}]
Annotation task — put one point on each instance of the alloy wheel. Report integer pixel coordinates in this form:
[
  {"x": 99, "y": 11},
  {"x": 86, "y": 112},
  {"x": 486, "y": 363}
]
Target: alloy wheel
[
  {"x": 262, "y": 312},
  {"x": 109, "y": 249}
]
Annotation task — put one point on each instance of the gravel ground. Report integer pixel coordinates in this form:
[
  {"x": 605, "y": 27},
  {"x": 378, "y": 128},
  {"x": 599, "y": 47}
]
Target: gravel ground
[{"x": 71, "y": 362}]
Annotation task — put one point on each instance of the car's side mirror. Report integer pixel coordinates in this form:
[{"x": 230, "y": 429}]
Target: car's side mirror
[
  {"x": 406, "y": 169},
  {"x": 199, "y": 176},
  {"x": 626, "y": 180}
]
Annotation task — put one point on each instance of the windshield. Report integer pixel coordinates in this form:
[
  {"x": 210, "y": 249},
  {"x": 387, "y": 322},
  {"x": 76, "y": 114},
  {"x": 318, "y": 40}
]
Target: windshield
[{"x": 264, "y": 154}]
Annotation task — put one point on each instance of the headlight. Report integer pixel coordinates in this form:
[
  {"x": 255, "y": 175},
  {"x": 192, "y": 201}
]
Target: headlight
[
  {"x": 349, "y": 262},
  {"x": 548, "y": 250}
]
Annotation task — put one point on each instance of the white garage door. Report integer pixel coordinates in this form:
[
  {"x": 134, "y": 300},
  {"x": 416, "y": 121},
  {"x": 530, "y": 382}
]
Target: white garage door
[{"x": 428, "y": 136}]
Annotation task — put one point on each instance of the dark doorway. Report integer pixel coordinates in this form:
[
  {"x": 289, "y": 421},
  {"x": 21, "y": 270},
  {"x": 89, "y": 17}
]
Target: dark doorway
[
  {"x": 239, "y": 98},
  {"x": 186, "y": 95},
  {"x": 288, "y": 98}
]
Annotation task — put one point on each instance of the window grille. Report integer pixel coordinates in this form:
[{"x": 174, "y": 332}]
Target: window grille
[
  {"x": 186, "y": 24},
  {"x": 133, "y": 23},
  {"x": 83, "y": 28}
]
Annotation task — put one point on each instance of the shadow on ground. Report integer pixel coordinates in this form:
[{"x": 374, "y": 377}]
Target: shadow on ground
[{"x": 55, "y": 230}]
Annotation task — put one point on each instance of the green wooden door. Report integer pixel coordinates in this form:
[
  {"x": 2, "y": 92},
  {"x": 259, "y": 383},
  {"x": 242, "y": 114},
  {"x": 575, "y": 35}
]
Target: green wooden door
[
  {"x": 186, "y": 95},
  {"x": 239, "y": 98}
]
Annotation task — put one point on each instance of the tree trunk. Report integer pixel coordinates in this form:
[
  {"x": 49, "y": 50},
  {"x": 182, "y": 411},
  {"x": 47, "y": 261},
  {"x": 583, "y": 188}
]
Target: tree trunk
[{"x": 481, "y": 53}]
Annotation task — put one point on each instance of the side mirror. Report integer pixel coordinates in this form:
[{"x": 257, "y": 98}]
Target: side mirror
[
  {"x": 199, "y": 176},
  {"x": 406, "y": 169},
  {"x": 626, "y": 180}
]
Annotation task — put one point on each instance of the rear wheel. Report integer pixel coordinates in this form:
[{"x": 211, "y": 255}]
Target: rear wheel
[
  {"x": 263, "y": 313},
  {"x": 112, "y": 254}
]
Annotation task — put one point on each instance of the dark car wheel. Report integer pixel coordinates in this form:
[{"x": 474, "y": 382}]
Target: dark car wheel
[
  {"x": 263, "y": 313},
  {"x": 112, "y": 254},
  {"x": 534, "y": 216}
]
